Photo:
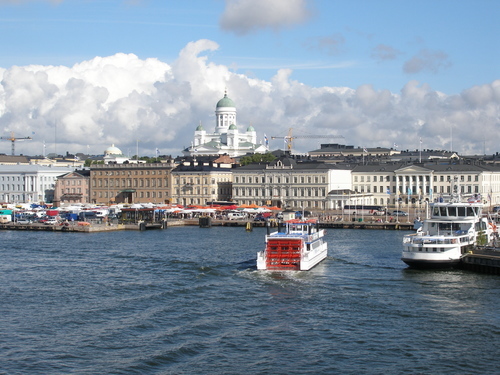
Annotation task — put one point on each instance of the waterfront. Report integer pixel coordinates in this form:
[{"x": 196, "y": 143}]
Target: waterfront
[{"x": 188, "y": 300}]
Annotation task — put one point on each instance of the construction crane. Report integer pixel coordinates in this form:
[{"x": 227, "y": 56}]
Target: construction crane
[
  {"x": 13, "y": 140},
  {"x": 288, "y": 138}
]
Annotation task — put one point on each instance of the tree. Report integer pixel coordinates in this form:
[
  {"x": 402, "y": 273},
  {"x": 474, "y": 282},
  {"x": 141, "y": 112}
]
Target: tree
[{"x": 257, "y": 158}]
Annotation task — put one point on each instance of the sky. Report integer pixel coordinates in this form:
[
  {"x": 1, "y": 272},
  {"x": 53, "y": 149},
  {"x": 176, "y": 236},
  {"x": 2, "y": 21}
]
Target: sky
[{"x": 81, "y": 75}]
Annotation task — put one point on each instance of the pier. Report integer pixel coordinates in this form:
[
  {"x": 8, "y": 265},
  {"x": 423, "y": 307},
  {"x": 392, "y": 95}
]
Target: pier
[{"x": 484, "y": 260}]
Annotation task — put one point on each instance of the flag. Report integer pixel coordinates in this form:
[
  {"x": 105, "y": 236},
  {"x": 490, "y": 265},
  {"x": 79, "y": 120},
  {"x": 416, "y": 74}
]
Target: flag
[
  {"x": 365, "y": 150},
  {"x": 388, "y": 191},
  {"x": 266, "y": 140},
  {"x": 157, "y": 152},
  {"x": 395, "y": 145}
]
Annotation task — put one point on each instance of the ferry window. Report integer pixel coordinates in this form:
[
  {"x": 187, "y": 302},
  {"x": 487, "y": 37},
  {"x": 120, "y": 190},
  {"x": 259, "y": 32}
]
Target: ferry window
[
  {"x": 470, "y": 211},
  {"x": 461, "y": 211},
  {"x": 452, "y": 211},
  {"x": 442, "y": 211}
]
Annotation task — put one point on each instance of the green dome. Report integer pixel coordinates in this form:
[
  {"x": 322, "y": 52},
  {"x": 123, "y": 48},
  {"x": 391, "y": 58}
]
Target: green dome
[
  {"x": 199, "y": 127},
  {"x": 250, "y": 129},
  {"x": 225, "y": 102},
  {"x": 232, "y": 127}
]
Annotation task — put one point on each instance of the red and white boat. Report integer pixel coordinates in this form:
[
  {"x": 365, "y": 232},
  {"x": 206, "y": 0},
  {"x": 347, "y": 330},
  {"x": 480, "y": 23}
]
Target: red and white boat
[{"x": 298, "y": 246}]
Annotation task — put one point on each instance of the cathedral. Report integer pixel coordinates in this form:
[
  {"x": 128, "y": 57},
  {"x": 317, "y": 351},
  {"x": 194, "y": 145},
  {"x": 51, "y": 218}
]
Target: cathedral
[{"x": 226, "y": 139}]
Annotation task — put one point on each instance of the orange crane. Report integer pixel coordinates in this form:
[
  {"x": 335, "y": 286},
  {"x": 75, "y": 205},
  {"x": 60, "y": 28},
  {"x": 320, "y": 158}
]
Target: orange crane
[
  {"x": 13, "y": 140},
  {"x": 288, "y": 138}
]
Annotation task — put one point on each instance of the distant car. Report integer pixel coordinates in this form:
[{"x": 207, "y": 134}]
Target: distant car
[
  {"x": 24, "y": 221},
  {"x": 236, "y": 216},
  {"x": 51, "y": 222},
  {"x": 259, "y": 217},
  {"x": 399, "y": 213}
]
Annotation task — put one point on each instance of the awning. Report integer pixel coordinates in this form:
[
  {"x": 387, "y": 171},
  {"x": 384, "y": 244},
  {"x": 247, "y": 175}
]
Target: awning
[{"x": 128, "y": 191}]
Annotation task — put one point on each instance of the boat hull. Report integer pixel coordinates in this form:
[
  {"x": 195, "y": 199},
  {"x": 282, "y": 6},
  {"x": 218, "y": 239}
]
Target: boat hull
[
  {"x": 305, "y": 263},
  {"x": 430, "y": 264}
]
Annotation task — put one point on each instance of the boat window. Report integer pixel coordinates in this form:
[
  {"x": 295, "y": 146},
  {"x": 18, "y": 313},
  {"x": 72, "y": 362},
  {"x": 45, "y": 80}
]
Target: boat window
[
  {"x": 444, "y": 226},
  {"x": 470, "y": 211},
  {"x": 435, "y": 211},
  {"x": 452, "y": 211},
  {"x": 443, "y": 211},
  {"x": 461, "y": 211}
]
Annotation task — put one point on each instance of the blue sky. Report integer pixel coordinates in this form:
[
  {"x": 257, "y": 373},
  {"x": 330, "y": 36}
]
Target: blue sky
[
  {"x": 338, "y": 44},
  {"x": 446, "y": 47}
]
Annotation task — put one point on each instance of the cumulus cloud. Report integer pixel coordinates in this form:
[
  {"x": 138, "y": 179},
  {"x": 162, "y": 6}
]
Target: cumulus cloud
[
  {"x": 427, "y": 61},
  {"x": 384, "y": 52},
  {"x": 245, "y": 16},
  {"x": 122, "y": 100}
]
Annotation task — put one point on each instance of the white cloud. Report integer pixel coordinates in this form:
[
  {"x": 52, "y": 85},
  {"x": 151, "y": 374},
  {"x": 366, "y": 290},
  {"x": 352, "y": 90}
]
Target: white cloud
[
  {"x": 120, "y": 99},
  {"x": 245, "y": 16}
]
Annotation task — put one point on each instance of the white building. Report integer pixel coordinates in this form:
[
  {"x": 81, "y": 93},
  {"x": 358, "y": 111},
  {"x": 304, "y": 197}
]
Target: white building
[
  {"x": 288, "y": 183},
  {"x": 29, "y": 183},
  {"x": 227, "y": 138}
]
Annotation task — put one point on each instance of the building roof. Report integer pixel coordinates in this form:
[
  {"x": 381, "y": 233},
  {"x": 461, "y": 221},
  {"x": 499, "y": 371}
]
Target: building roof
[
  {"x": 225, "y": 102},
  {"x": 13, "y": 159}
]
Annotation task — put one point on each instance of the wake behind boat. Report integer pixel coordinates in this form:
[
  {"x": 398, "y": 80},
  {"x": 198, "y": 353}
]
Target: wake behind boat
[
  {"x": 453, "y": 229},
  {"x": 299, "y": 247}
]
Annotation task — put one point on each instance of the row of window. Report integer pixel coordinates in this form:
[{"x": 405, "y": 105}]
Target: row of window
[
  {"x": 408, "y": 178},
  {"x": 137, "y": 194},
  {"x": 68, "y": 182},
  {"x": 21, "y": 178},
  {"x": 413, "y": 189},
  {"x": 14, "y": 187},
  {"x": 135, "y": 173},
  {"x": 153, "y": 182},
  {"x": 271, "y": 179},
  {"x": 278, "y": 192}
]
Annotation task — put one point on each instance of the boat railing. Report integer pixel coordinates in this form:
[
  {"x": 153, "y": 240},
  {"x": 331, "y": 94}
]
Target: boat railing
[{"x": 436, "y": 240}]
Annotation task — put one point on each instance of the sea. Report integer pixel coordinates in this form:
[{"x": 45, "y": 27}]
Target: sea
[{"x": 189, "y": 300}]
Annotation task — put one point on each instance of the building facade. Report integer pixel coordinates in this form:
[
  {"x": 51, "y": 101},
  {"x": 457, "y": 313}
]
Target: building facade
[
  {"x": 414, "y": 184},
  {"x": 29, "y": 183},
  {"x": 73, "y": 187},
  {"x": 286, "y": 183},
  {"x": 198, "y": 182},
  {"x": 131, "y": 183}
]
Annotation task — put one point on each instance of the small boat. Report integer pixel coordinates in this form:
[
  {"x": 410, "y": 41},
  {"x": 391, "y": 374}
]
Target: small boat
[
  {"x": 298, "y": 246},
  {"x": 454, "y": 228}
]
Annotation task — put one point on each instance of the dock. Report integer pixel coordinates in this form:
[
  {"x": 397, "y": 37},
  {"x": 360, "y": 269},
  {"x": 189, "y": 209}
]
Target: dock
[{"x": 482, "y": 259}]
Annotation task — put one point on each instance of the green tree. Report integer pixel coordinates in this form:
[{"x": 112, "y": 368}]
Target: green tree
[{"x": 257, "y": 158}]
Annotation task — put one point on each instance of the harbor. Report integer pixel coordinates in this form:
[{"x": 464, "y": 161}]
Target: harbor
[
  {"x": 163, "y": 301},
  {"x": 88, "y": 227}
]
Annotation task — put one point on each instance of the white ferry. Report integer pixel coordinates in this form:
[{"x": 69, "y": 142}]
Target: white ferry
[
  {"x": 299, "y": 247},
  {"x": 453, "y": 229}
]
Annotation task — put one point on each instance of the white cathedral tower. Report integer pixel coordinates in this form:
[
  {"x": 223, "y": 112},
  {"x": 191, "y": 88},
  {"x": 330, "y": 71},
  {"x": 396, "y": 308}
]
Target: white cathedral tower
[{"x": 226, "y": 139}]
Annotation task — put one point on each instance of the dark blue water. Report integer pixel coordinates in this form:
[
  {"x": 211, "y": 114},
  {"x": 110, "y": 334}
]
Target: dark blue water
[{"x": 190, "y": 301}]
